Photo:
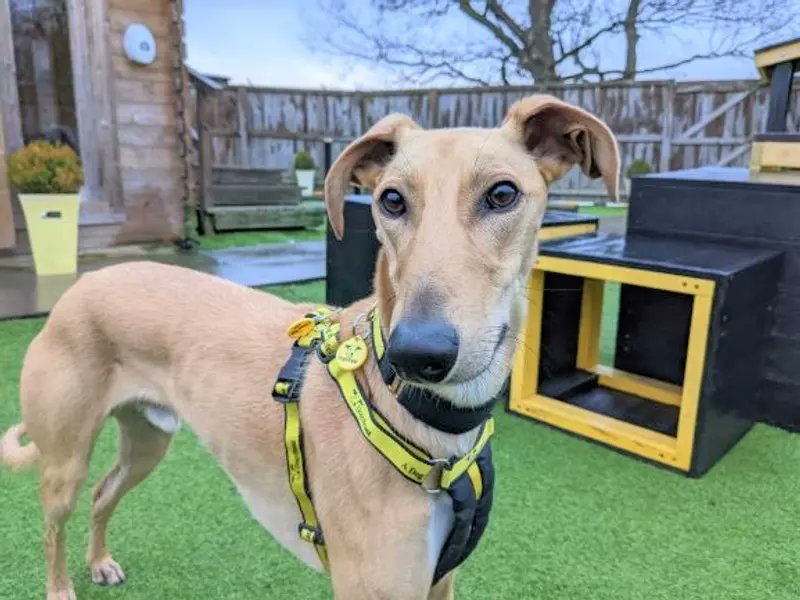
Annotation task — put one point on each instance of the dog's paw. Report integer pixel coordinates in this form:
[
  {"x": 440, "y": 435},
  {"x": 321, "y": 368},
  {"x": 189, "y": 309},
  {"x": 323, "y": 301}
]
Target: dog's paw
[
  {"x": 107, "y": 572},
  {"x": 68, "y": 594}
]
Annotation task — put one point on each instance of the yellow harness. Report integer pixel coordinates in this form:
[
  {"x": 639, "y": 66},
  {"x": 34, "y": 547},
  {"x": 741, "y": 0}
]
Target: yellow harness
[{"x": 317, "y": 332}]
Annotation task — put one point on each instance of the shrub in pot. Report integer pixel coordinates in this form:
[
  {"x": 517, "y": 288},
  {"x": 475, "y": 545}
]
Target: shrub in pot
[
  {"x": 48, "y": 178},
  {"x": 305, "y": 170}
]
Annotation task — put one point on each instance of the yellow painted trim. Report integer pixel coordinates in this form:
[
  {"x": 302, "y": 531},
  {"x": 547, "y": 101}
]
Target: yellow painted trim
[
  {"x": 693, "y": 378},
  {"x": 525, "y": 374},
  {"x": 775, "y": 155},
  {"x": 524, "y": 398},
  {"x": 774, "y": 56},
  {"x": 638, "y": 385},
  {"x": 590, "y": 324},
  {"x": 641, "y": 277},
  {"x": 755, "y": 157},
  {"x": 556, "y": 232},
  {"x": 619, "y": 434}
]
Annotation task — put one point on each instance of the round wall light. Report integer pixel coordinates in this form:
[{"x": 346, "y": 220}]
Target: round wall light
[{"x": 139, "y": 44}]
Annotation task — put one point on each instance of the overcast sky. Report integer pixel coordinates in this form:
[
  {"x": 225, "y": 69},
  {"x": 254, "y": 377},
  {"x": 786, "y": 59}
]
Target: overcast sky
[{"x": 266, "y": 42}]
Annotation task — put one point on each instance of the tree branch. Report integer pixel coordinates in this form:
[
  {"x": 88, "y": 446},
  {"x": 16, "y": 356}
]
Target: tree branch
[
  {"x": 467, "y": 8},
  {"x": 610, "y": 28},
  {"x": 506, "y": 19}
]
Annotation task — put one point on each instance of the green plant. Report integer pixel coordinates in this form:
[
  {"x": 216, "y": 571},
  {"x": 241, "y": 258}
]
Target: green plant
[
  {"x": 637, "y": 167},
  {"x": 45, "y": 168},
  {"x": 303, "y": 161}
]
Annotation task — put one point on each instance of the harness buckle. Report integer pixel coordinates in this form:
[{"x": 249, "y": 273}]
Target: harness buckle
[
  {"x": 437, "y": 473},
  {"x": 286, "y": 391},
  {"x": 310, "y": 534}
]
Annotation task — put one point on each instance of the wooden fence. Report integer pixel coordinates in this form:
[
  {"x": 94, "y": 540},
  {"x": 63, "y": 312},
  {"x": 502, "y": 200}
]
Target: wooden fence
[{"x": 669, "y": 124}]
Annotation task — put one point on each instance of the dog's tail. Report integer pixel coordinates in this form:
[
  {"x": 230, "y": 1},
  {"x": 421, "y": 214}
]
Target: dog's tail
[{"x": 13, "y": 454}]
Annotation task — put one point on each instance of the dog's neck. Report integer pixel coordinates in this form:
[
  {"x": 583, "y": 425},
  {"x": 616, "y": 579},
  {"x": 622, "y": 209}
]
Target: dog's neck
[{"x": 439, "y": 443}]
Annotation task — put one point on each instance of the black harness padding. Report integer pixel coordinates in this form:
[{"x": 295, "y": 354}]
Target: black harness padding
[
  {"x": 471, "y": 516},
  {"x": 292, "y": 373}
]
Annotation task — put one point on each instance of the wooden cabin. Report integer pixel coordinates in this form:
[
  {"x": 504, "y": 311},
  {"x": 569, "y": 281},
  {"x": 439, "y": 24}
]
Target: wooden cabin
[{"x": 66, "y": 70}]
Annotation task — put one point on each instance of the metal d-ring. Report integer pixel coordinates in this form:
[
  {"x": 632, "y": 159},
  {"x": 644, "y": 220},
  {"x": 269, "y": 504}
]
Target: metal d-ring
[
  {"x": 438, "y": 489},
  {"x": 359, "y": 319}
]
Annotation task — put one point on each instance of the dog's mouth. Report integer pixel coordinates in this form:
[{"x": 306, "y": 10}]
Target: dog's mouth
[
  {"x": 465, "y": 379},
  {"x": 475, "y": 390}
]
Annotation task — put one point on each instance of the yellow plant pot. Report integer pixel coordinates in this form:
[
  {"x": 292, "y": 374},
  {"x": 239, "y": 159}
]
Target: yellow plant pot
[{"x": 52, "y": 221}]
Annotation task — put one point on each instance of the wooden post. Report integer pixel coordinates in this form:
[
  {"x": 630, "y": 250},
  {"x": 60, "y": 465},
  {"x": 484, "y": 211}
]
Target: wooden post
[
  {"x": 94, "y": 101},
  {"x": 9, "y": 95},
  {"x": 244, "y": 141},
  {"x": 433, "y": 109},
  {"x": 362, "y": 109},
  {"x": 205, "y": 225},
  {"x": 668, "y": 101}
]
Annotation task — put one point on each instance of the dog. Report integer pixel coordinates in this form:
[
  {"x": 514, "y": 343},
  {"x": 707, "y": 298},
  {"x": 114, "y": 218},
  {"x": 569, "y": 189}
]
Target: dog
[{"x": 457, "y": 212}]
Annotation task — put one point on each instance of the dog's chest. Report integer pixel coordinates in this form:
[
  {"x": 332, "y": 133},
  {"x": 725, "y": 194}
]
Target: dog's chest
[
  {"x": 278, "y": 514},
  {"x": 439, "y": 526}
]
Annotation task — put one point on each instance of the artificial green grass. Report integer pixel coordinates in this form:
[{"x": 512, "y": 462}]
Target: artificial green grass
[
  {"x": 252, "y": 238},
  {"x": 603, "y": 211},
  {"x": 572, "y": 520},
  {"x": 312, "y": 291}
]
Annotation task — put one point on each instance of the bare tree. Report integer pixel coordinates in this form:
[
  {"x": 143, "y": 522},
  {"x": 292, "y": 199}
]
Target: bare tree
[{"x": 496, "y": 41}]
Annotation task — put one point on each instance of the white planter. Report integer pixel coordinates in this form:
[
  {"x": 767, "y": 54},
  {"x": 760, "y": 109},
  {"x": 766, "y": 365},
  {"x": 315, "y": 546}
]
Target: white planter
[{"x": 305, "y": 179}]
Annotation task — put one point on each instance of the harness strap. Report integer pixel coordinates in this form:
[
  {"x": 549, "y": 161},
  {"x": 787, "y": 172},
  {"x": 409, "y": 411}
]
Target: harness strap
[
  {"x": 309, "y": 529},
  {"x": 469, "y": 480},
  {"x": 287, "y": 391},
  {"x": 415, "y": 465}
]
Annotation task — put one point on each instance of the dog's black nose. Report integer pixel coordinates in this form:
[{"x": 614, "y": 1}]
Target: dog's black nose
[{"x": 423, "y": 351}]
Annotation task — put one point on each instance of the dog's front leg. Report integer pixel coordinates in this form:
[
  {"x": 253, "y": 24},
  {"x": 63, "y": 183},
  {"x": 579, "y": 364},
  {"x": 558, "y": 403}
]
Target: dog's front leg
[
  {"x": 445, "y": 589},
  {"x": 379, "y": 581}
]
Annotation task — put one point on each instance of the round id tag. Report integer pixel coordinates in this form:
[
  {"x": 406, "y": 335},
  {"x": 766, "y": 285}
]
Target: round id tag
[{"x": 352, "y": 353}]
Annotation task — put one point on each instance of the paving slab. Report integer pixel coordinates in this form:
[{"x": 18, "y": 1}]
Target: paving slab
[{"x": 22, "y": 294}]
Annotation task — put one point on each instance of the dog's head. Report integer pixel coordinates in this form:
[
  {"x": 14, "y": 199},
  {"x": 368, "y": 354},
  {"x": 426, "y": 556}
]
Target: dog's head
[{"x": 457, "y": 212}]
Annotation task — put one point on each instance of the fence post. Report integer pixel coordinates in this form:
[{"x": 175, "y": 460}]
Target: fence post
[
  {"x": 205, "y": 161},
  {"x": 668, "y": 101},
  {"x": 241, "y": 112},
  {"x": 433, "y": 109},
  {"x": 362, "y": 109}
]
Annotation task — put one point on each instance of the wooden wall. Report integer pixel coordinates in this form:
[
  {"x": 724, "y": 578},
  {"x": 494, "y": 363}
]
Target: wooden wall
[{"x": 146, "y": 129}]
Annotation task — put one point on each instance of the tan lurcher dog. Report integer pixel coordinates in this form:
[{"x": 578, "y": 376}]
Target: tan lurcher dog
[{"x": 457, "y": 211}]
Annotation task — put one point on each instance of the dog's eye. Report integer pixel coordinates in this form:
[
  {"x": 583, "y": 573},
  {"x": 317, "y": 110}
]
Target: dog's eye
[
  {"x": 392, "y": 203},
  {"x": 501, "y": 196}
]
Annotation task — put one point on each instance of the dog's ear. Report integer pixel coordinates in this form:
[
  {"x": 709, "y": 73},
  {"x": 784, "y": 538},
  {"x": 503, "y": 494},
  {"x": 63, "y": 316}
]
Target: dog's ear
[
  {"x": 559, "y": 135},
  {"x": 361, "y": 163}
]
